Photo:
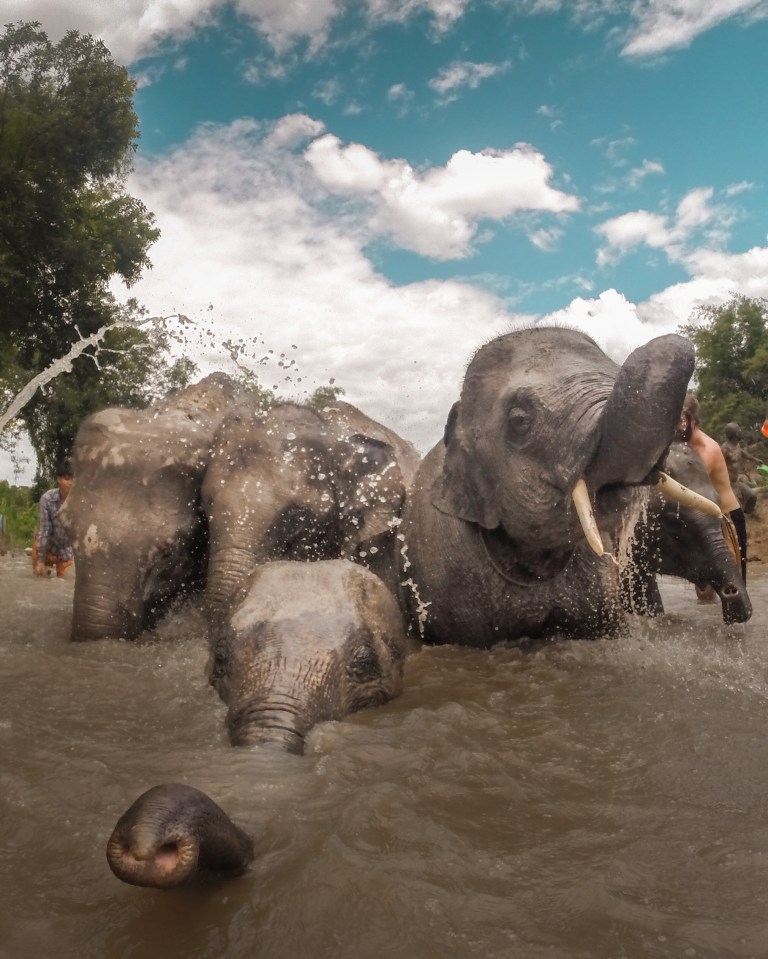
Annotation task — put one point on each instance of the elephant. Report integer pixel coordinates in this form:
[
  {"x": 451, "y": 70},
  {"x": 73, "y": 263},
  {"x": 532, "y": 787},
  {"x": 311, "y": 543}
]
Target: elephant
[
  {"x": 512, "y": 528},
  {"x": 306, "y": 643},
  {"x": 298, "y": 483},
  {"x": 133, "y": 515},
  {"x": 175, "y": 835},
  {"x": 676, "y": 540}
]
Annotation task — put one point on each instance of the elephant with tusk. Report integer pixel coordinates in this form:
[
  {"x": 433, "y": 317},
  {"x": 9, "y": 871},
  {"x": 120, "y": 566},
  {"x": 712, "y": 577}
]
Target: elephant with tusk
[
  {"x": 516, "y": 522},
  {"x": 676, "y": 537}
]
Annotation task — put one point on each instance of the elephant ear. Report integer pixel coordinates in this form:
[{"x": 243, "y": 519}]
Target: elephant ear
[
  {"x": 462, "y": 490},
  {"x": 374, "y": 485}
]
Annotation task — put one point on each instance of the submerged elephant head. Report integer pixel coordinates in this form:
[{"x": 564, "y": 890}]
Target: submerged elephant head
[
  {"x": 308, "y": 642},
  {"x": 296, "y": 483},
  {"x": 133, "y": 514},
  {"x": 676, "y": 540}
]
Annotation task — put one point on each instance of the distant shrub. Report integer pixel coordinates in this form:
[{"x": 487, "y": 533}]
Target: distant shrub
[{"x": 20, "y": 516}]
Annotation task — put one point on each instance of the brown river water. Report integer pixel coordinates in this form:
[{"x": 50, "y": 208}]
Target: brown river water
[{"x": 582, "y": 800}]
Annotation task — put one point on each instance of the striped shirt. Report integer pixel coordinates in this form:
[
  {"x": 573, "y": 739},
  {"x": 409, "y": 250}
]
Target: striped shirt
[{"x": 51, "y": 535}]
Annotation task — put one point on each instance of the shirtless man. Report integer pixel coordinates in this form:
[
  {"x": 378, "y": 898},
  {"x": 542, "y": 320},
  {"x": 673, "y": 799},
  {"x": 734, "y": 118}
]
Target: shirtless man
[{"x": 709, "y": 450}]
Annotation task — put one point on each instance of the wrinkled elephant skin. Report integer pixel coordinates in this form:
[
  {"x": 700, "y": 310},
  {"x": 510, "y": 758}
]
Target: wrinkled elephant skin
[
  {"x": 307, "y": 643},
  {"x": 133, "y": 515},
  {"x": 294, "y": 483},
  {"x": 492, "y": 548},
  {"x": 676, "y": 540},
  {"x": 175, "y": 835}
]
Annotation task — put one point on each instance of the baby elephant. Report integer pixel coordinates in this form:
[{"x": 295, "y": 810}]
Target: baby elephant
[{"x": 306, "y": 643}]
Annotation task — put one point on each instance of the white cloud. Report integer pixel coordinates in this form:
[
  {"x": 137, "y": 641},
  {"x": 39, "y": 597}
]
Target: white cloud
[
  {"x": 546, "y": 239},
  {"x": 612, "y": 321},
  {"x": 435, "y": 212},
  {"x": 663, "y": 25},
  {"x": 140, "y": 27},
  {"x": 464, "y": 73},
  {"x": 672, "y": 235},
  {"x": 444, "y": 12},
  {"x": 647, "y": 168},
  {"x": 239, "y": 232}
]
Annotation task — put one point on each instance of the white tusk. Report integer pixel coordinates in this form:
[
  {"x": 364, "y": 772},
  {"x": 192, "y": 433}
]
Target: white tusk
[
  {"x": 687, "y": 497},
  {"x": 580, "y": 496}
]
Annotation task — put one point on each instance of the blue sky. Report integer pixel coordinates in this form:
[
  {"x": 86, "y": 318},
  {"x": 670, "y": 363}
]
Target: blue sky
[{"x": 372, "y": 189}]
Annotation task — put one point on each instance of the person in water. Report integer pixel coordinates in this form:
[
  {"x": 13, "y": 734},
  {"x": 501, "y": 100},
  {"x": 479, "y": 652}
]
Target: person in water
[
  {"x": 690, "y": 432},
  {"x": 51, "y": 546}
]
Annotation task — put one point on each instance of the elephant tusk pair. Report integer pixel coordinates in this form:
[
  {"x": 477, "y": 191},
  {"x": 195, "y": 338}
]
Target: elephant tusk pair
[{"x": 666, "y": 486}]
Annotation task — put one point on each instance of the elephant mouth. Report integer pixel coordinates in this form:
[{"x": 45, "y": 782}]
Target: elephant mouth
[{"x": 514, "y": 565}]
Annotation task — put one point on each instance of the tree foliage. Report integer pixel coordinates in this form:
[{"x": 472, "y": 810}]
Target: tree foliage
[
  {"x": 731, "y": 364},
  {"x": 68, "y": 133}
]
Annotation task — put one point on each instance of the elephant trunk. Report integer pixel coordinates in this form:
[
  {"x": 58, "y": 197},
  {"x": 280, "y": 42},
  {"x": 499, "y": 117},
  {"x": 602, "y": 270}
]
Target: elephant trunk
[
  {"x": 638, "y": 421},
  {"x": 229, "y": 569},
  {"x": 98, "y": 612},
  {"x": 174, "y": 834},
  {"x": 269, "y": 722}
]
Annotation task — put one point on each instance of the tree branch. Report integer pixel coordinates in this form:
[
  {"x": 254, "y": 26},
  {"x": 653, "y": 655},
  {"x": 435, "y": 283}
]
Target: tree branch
[{"x": 64, "y": 364}]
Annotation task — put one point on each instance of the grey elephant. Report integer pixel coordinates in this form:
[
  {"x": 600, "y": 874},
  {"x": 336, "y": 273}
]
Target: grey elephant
[
  {"x": 133, "y": 515},
  {"x": 677, "y": 540},
  {"x": 174, "y": 835},
  {"x": 301, "y": 484},
  {"x": 513, "y": 524},
  {"x": 306, "y": 643}
]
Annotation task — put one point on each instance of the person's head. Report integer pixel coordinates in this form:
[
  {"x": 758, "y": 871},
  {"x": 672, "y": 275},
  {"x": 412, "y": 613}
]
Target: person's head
[
  {"x": 65, "y": 473},
  {"x": 689, "y": 418},
  {"x": 733, "y": 432}
]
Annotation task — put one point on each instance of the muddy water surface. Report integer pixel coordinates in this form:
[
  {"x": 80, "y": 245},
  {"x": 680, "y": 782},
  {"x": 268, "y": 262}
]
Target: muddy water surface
[{"x": 585, "y": 800}]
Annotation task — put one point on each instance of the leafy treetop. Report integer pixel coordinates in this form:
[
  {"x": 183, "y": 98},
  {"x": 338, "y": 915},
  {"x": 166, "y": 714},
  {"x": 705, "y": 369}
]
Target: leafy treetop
[{"x": 731, "y": 383}]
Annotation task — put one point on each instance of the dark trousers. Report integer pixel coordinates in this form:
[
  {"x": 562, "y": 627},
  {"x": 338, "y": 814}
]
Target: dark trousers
[{"x": 740, "y": 523}]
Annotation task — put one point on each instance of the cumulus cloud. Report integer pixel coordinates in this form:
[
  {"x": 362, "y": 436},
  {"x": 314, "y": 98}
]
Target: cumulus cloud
[
  {"x": 240, "y": 231},
  {"x": 435, "y": 212},
  {"x": 144, "y": 26},
  {"x": 673, "y": 235}
]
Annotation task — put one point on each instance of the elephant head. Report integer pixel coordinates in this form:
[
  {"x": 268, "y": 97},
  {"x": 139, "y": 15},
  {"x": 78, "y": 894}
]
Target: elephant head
[
  {"x": 296, "y": 483},
  {"x": 543, "y": 409},
  {"x": 133, "y": 514},
  {"x": 677, "y": 540},
  {"x": 308, "y": 642},
  {"x": 544, "y": 452}
]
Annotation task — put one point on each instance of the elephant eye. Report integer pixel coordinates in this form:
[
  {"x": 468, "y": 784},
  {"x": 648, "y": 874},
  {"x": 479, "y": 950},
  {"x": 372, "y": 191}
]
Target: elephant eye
[
  {"x": 519, "y": 424},
  {"x": 364, "y": 666}
]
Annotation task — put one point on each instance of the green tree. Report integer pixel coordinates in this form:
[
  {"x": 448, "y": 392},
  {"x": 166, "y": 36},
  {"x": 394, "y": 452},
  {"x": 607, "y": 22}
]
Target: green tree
[
  {"x": 326, "y": 395},
  {"x": 731, "y": 380},
  {"x": 68, "y": 133}
]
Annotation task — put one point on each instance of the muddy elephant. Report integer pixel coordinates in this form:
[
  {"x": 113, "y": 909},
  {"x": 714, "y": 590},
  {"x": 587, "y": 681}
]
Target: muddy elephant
[
  {"x": 301, "y": 484},
  {"x": 514, "y": 519},
  {"x": 174, "y": 835},
  {"x": 133, "y": 515},
  {"x": 677, "y": 540},
  {"x": 306, "y": 643}
]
